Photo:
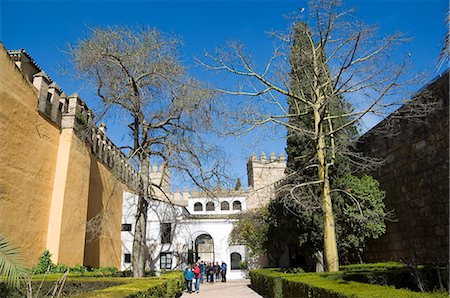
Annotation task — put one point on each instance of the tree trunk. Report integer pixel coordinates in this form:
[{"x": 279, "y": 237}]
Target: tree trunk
[
  {"x": 329, "y": 232},
  {"x": 319, "y": 261},
  {"x": 139, "y": 252}
]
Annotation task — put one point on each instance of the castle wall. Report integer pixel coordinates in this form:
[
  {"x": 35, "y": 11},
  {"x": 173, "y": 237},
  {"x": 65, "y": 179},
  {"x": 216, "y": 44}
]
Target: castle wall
[
  {"x": 67, "y": 228},
  {"x": 59, "y": 172},
  {"x": 103, "y": 246},
  {"x": 415, "y": 178},
  {"x": 28, "y": 150}
]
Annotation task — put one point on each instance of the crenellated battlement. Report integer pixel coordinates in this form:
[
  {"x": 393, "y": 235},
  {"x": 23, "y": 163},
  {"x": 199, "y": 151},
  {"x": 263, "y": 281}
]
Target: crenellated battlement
[
  {"x": 263, "y": 173},
  {"x": 263, "y": 158},
  {"x": 108, "y": 153},
  {"x": 71, "y": 112}
]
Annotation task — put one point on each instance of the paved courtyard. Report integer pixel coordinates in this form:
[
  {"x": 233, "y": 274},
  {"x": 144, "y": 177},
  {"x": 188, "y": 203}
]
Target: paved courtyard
[{"x": 233, "y": 288}]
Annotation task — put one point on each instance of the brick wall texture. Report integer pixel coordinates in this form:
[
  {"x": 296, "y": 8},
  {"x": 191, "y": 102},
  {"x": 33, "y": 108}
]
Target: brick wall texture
[{"x": 415, "y": 177}]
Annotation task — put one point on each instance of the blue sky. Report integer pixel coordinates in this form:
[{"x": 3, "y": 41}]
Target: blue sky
[{"x": 44, "y": 28}]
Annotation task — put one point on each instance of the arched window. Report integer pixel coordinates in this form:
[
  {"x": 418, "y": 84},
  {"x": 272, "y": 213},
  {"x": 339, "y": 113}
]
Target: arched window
[
  {"x": 198, "y": 206},
  {"x": 210, "y": 206},
  {"x": 224, "y": 206},
  {"x": 237, "y": 205},
  {"x": 235, "y": 261}
]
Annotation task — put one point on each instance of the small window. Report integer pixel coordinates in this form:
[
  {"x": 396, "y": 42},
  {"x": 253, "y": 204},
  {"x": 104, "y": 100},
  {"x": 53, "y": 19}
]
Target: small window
[
  {"x": 224, "y": 206},
  {"x": 166, "y": 233},
  {"x": 210, "y": 206},
  {"x": 165, "y": 260},
  {"x": 127, "y": 258},
  {"x": 49, "y": 97},
  {"x": 66, "y": 106},
  {"x": 126, "y": 227},
  {"x": 198, "y": 206},
  {"x": 237, "y": 205},
  {"x": 235, "y": 261}
]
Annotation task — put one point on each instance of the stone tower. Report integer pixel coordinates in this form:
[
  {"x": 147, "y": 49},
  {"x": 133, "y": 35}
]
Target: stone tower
[{"x": 263, "y": 173}]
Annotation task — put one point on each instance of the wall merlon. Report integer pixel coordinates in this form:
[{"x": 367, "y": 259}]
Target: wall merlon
[
  {"x": 105, "y": 150},
  {"x": 262, "y": 159},
  {"x": 102, "y": 127},
  {"x": 154, "y": 168}
]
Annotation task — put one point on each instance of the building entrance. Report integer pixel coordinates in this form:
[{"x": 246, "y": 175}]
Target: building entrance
[{"x": 204, "y": 248}]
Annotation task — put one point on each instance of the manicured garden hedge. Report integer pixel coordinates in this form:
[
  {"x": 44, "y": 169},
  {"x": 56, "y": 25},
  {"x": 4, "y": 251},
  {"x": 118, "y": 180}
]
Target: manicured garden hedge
[
  {"x": 167, "y": 285},
  {"x": 273, "y": 283},
  {"x": 95, "y": 285},
  {"x": 398, "y": 275}
]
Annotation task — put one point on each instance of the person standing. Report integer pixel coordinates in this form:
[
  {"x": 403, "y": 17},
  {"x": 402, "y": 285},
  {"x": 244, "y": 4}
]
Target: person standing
[
  {"x": 188, "y": 276},
  {"x": 197, "y": 277},
  {"x": 210, "y": 272},
  {"x": 202, "y": 271},
  {"x": 224, "y": 271},
  {"x": 217, "y": 270}
]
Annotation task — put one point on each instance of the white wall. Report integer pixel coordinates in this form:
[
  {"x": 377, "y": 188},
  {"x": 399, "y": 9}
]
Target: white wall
[{"x": 185, "y": 231}]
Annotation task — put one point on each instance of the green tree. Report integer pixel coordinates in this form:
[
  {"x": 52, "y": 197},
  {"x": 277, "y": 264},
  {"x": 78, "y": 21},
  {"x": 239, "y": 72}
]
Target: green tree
[
  {"x": 344, "y": 60},
  {"x": 252, "y": 229},
  {"x": 363, "y": 217},
  {"x": 299, "y": 205}
]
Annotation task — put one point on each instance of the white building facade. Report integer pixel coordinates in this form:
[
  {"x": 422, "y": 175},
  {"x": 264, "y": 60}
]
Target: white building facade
[{"x": 194, "y": 226}]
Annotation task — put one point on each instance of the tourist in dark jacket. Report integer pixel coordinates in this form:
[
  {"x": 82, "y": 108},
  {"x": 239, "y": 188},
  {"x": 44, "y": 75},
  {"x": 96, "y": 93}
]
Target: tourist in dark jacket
[
  {"x": 224, "y": 271},
  {"x": 202, "y": 271},
  {"x": 210, "y": 272},
  {"x": 188, "y": 276},
  {"x": 217, "y": 270}
]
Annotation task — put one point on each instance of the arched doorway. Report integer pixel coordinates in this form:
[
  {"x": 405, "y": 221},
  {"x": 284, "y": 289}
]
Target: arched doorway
[
  {"x": 236, "y": 259},
  {"x": 204, "y": 248}
]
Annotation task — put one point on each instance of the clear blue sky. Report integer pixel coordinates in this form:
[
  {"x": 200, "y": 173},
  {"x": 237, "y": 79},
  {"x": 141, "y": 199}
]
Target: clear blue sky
[{"x": 44, "y": 28}]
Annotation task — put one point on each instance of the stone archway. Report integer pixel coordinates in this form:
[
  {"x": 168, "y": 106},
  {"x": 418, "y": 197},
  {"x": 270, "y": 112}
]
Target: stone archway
[{"x": 204, "y": 248}]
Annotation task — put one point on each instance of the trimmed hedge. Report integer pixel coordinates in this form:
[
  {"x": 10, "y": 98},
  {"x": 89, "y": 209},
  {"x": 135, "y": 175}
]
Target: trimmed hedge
[
  {"x": 167, "y": 285},
  {"x": 397, "y": 275},
  {"x": 373, "y": 266},
  {"x": 97, "y": 285},
  {"x": 273, "y": 283}
]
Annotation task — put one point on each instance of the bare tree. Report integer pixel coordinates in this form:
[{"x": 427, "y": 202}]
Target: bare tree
[
  {"x": 342, "y": 64},
  {"x": 138, "y": 72}
]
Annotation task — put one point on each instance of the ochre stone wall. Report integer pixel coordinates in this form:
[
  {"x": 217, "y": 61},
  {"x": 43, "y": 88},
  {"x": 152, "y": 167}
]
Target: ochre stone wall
[
  {"x": 103, "y": 241},
  {"x": 52, "y": 184},
  {"x": 73, "y": 196},
  {"x": 416, "y": 180},
  {"x": 28, "y": 149}
]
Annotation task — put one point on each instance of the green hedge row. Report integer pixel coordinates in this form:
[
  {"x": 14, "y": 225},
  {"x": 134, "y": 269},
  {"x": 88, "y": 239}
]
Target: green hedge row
[
  {"x": 92, "y": 284},
  {"x": 167, "y": 285},
  {"x": 433, "y": 278},
  {"x": 273, "y": 283}
]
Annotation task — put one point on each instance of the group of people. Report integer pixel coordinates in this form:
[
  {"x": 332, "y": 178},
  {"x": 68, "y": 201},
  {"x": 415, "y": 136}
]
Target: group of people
[{"x": 197, "y": 272}]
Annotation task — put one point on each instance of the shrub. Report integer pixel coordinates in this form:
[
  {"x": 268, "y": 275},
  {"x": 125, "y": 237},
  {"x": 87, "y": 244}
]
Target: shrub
[
  {"x": 397, "y": 275},
  {"x": 45, "y": 263},
  {"x": 79, "y": 269},
  {"x": 243, "y": 265},
  {"x": 168, "y": 285},
  {"x": 273, "y": 283}
]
